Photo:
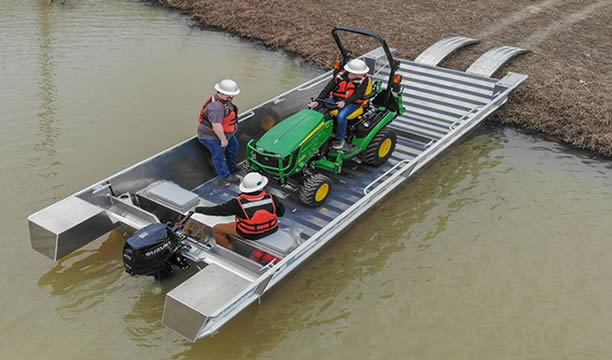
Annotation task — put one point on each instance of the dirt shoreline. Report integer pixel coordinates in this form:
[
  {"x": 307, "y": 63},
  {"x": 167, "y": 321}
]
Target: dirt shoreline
[{"x": 567, "y": 98}]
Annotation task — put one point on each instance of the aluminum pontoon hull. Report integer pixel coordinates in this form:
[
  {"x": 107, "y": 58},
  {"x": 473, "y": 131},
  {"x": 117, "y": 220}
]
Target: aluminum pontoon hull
[{"x": 442, "y": 106}]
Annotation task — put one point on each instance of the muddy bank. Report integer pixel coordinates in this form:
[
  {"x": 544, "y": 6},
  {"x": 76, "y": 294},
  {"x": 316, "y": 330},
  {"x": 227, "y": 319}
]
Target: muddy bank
[{"x": 568, "y": 96}]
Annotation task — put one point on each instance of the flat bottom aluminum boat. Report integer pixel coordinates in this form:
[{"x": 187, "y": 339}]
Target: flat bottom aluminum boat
[{"x": 442, "y": 106}]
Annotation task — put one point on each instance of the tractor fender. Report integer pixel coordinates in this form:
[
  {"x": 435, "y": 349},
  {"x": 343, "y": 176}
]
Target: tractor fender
[{"x": 363, "y": 143}]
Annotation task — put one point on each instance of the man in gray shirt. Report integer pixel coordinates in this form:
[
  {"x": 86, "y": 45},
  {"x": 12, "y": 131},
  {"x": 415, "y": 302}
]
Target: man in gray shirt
[{"x": 217, "y": 128}]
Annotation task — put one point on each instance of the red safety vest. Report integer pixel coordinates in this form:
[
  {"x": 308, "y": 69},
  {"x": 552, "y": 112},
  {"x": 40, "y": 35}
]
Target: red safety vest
[
  {"x": 229, "y": 121},
  {"x": 260, "y": 217},
  {"x": 345, "y": 87}
]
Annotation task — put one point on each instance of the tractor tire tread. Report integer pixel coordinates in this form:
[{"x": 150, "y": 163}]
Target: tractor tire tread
[
  {"x": 308, "y": 190},
  {"x": 370, "y": 156}
]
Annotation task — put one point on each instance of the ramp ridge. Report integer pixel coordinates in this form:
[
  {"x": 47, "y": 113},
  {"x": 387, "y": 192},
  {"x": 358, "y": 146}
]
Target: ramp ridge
[
  {"x": 437, "y": 52},
  {"x": 488, "y": 63}
]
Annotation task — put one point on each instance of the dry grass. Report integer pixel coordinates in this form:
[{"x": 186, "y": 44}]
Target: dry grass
[{"x": 569, "y": 92}]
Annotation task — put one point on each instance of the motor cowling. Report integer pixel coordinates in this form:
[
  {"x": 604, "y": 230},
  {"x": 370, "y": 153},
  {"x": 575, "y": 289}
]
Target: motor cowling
[{"x": 149, "y": 251}]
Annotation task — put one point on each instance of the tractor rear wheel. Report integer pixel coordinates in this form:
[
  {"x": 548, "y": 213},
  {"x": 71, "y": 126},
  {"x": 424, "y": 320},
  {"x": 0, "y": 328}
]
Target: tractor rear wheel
[
  {"x": 315, "y": 189},
  {"x": 380, "y": 148}
]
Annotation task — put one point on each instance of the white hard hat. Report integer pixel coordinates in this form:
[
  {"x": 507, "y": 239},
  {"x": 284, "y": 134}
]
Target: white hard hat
[
  {"x": 227, "y": 87},
  {"x": 357, "y": 67},
  {"x": 253, "y": 182}
]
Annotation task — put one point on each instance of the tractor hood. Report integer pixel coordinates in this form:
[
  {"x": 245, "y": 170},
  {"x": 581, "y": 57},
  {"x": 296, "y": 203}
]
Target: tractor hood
[{"x": 287, "y": 135}]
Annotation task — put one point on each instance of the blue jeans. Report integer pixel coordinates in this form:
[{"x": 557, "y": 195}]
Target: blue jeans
[
  {"x": 342, "y": 114},
  {"x": 341, "y": 118},
  {"x": 223, "y": 159}
]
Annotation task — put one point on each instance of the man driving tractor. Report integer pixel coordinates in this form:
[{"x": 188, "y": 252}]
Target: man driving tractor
[{"x": 347, "y": 89}]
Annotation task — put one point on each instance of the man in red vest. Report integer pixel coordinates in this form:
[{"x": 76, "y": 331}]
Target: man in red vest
[
  {"x": 217, "y": 128},
  {"x": 256, "y": 212},
  {"x": 347, "y": 89}
]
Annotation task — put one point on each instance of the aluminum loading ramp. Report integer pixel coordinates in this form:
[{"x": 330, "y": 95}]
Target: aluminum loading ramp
[
  {"x": 438, "y": 100},
  {"x": 442, "y": 106},
  {"x": 440, "y": 50}
]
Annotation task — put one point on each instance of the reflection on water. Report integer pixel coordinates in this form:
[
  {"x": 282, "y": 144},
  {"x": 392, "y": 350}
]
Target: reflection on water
[
  {"x": 143, "y": 322},
  {"x": 86, "y": 277},
  {"x": 48, "y": 129}
]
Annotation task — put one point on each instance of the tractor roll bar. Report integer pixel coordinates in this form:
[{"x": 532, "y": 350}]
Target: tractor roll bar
[{"x": 346, "y": 54}]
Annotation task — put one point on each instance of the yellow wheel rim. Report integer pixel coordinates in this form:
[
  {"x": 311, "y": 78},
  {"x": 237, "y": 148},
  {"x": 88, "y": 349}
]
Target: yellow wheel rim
[
  {"x": 384, "y": 148},
  {"x": 322, "y": 192}
]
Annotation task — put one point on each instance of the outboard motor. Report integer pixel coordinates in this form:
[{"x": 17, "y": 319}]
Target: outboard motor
[{"x": 153, "y": 250}]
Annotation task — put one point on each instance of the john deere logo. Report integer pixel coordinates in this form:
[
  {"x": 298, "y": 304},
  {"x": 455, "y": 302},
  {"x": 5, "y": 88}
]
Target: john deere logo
[{"x": 267, "y": 158}]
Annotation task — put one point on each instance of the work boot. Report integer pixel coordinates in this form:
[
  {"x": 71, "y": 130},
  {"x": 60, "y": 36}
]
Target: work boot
[
  {"x": 232, "y": 179},
  {"x": 337, "y": 144}
]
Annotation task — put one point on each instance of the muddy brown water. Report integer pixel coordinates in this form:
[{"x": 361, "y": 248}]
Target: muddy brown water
[{"x": 498, "y": 250}]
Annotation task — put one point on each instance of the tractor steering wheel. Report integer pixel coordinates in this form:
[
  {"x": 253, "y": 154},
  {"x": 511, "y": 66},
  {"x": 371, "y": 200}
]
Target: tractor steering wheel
[{"x": 328, "y": 104}]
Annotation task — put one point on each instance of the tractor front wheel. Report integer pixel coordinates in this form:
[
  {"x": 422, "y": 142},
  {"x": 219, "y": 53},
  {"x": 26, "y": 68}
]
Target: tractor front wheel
[
  {"x": 380, "y": 148},
  {"x": 315, "y": 189}
]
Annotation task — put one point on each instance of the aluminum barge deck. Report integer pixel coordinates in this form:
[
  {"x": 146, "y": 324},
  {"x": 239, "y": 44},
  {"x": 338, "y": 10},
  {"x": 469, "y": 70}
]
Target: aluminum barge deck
[{"x": 442, "y": 106}]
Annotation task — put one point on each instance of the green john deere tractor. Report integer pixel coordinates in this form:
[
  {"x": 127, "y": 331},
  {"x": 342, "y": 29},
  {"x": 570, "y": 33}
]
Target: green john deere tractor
[{"x": 296, "y": 152}]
